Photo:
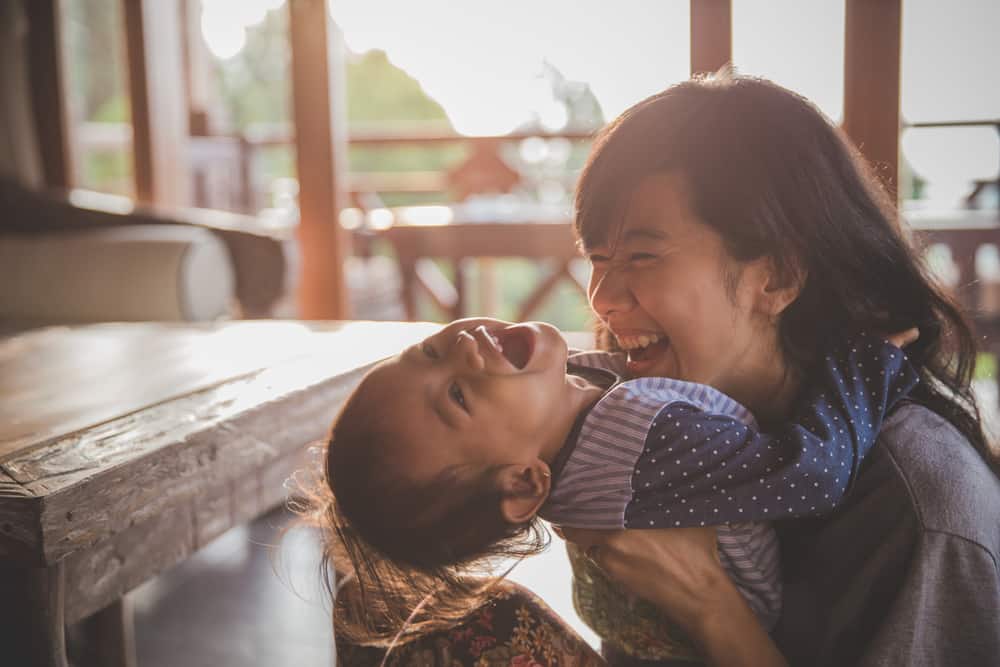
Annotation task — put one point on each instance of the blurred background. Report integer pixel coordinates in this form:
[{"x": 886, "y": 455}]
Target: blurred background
[
  {"x": 390, "y": 159},
  {"x": 486, "y": 113}
]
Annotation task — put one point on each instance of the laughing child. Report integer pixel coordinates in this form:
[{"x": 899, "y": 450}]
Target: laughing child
[{"x": 446, "y": 457}]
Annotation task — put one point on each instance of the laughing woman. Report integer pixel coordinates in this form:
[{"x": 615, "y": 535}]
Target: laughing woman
[{"x": 697, "y": 205}]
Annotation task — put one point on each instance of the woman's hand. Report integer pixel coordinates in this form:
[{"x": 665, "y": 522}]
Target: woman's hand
[{"x": 678, "y": 570}]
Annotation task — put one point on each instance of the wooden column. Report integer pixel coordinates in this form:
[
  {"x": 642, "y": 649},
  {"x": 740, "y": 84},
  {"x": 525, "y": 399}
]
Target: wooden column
[
  {"x": 153, "y": 36},
  {"x": 711, "y": 35},
  {"x": 48, "y": 92},
  {"x": 321, "y": 151},
  {"x": 871, "y": 83}
]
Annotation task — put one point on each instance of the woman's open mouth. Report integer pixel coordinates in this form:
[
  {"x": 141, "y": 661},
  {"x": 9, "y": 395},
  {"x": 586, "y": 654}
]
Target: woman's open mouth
[{"x": 517, "y": 343}]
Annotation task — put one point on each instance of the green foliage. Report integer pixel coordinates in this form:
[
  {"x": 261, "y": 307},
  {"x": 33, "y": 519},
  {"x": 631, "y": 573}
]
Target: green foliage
[
  {"x": 380, "y": 92},
  {"x": 115, "y": 109}
]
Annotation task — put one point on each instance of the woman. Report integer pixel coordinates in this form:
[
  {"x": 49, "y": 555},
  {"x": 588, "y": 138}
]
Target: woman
[
  {"x": 905, "y": 571},
  {"x": 727, "y": 218}
]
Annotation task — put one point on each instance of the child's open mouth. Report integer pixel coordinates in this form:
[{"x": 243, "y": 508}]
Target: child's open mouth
[{"x": 517, "y": 344}]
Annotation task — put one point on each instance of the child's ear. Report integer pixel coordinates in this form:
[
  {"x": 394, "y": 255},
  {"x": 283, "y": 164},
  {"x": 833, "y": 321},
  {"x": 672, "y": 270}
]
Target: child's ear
[{"x": 523, "y": 488}]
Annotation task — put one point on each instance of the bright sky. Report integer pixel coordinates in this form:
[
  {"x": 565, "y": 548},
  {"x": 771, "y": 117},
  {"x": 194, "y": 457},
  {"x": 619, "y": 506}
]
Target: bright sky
[{"x": 480, "y": 58}]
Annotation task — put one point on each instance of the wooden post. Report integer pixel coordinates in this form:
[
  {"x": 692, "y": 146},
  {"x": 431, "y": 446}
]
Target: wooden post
[
  {"x": 32, "y": 625},
  {"x": 871, "y": 83},
  {"x": 711, "y": 35},
  {"x": 153, "y": 36},
  {"x": 321, "y": 149},
  {"x": 48, "y": 92}
]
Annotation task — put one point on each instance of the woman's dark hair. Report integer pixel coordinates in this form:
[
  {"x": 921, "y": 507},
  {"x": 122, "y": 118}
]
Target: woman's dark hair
[
  {"x": 415, "y": 556},
  {"x": 773, "y": 176}
]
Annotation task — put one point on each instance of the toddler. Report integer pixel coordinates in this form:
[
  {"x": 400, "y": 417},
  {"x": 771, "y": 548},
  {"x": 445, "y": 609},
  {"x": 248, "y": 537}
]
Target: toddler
[{"x": 447, "y": 455}]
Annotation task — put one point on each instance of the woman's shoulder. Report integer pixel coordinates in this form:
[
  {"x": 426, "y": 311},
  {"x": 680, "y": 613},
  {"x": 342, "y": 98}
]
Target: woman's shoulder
[{"x": 951, "y": 489}]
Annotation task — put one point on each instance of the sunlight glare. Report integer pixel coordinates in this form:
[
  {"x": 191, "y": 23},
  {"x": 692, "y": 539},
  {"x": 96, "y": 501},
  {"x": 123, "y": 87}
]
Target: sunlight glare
[{"x": 224, "y": 23}]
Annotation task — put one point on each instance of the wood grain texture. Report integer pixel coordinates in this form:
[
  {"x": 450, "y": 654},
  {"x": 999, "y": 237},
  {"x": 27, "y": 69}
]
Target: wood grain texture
[{"x": 59, "y": 380}]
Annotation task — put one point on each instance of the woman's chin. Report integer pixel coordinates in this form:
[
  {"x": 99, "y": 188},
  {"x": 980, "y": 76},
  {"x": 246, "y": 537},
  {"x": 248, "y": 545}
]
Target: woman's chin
[{"x": 654, "y": 366}]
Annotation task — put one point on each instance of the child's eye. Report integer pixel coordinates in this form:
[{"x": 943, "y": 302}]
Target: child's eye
[
  {"x": 597, "y": 259},
  {"x": 455, "y": 392},
  {"x": 427, "y": 349},
  {"x": 640, "y": 256}
]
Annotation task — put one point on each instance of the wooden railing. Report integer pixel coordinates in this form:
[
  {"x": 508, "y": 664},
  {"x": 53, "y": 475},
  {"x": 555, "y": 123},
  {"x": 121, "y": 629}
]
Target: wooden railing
[
  {"x": 223, "y": 177},
  {"x": 224, "y": 168}
]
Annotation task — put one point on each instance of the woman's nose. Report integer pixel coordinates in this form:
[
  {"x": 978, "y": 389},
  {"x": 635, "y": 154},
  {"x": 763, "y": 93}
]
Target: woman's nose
[{"x": 609, "y": 292}]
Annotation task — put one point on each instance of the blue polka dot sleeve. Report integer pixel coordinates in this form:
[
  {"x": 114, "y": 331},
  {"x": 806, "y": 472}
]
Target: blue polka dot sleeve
[{"x": 702, "y": 469}]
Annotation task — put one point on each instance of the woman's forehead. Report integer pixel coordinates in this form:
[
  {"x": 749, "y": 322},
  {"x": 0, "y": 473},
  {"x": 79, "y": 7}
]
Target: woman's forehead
[{"x": 656, "y": 209}]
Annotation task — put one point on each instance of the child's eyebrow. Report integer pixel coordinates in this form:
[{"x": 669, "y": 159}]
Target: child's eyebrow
[{"x": 430, "y": 399}]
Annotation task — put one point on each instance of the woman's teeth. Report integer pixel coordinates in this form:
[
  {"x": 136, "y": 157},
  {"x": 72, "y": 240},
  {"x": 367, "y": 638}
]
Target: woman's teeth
[{"x": 637, "y": 342}]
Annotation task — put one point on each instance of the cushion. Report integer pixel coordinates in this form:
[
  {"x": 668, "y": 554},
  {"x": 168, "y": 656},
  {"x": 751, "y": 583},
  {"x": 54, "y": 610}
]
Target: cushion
[{"x": 127, "y": 273}]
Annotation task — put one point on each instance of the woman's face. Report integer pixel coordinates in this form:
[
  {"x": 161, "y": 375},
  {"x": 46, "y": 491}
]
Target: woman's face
[{"x": 667, "y": 289}]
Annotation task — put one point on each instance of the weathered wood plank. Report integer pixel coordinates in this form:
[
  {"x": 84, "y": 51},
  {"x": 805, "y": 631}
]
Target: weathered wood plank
[
  {"x": 110, "y": 568},
  {"x": 57, "y": 381},
  {"x": 20, "y": 525}
]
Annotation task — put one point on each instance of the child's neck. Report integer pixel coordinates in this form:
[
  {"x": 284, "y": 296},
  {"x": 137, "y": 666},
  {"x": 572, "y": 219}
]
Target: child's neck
[{"x": 584, "y": 393}]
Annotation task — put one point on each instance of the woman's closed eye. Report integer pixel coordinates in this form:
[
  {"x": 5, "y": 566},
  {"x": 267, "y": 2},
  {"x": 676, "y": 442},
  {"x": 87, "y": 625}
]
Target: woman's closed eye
[
  {"x": 456, "y": 395},
  {"x": 429, "y": 350}
]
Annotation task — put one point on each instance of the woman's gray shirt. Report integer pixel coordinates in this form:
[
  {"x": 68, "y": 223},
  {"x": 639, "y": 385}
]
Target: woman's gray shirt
[{"x": 905, "y": 571}]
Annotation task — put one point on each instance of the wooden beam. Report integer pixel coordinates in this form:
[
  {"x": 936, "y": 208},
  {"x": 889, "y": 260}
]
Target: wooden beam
[
  {"x": 153, "y": 36},
  {"x": 48, "y": 92},
  {"x": 871, "y": 83},
  {"x": 318, "y": 85},
  {"x": 711, "y": 35}
]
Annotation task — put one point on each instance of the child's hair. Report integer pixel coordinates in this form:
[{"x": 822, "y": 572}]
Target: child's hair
[{"x": 412, "y": 556}]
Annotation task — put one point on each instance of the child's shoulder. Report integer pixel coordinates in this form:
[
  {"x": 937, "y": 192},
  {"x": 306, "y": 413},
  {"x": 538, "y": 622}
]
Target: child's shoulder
[{"x": 669, "y": 391}]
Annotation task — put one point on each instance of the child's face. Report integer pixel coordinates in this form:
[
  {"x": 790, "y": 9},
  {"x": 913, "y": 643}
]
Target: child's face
[{"x": 480, "y": 391}]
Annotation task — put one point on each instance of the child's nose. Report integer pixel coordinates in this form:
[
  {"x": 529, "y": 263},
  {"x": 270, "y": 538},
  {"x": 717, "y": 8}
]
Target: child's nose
[{"x": 466, "y": 352}]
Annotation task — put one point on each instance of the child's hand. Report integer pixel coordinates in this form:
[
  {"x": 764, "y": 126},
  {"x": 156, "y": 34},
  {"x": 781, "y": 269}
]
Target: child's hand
[{"x": 903, "y": 338}]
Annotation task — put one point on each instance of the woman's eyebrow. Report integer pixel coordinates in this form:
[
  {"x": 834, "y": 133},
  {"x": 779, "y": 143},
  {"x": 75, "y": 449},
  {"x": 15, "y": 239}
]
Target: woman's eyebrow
[{"x": 651, "y": 233}]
